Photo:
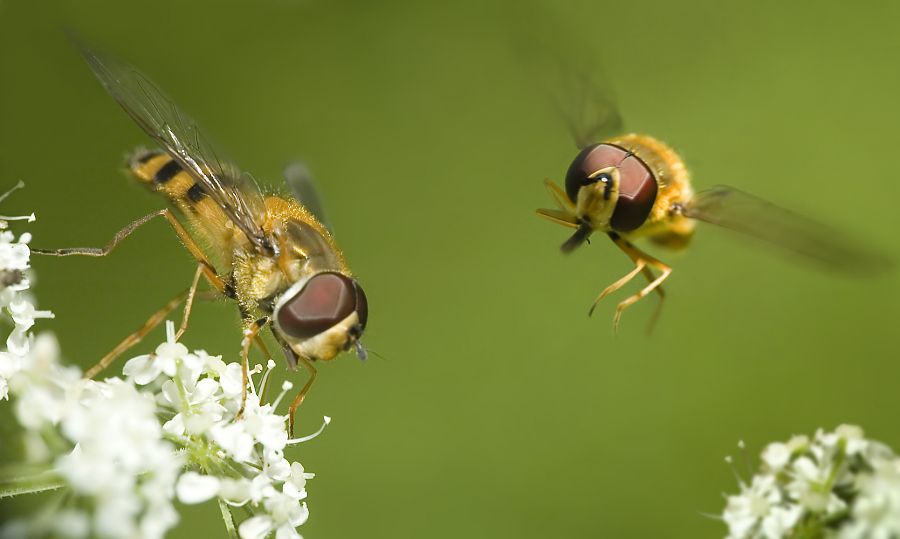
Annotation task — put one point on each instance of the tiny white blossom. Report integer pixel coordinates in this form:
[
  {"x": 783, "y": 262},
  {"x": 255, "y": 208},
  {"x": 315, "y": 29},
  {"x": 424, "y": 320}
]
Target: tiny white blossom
[
  {"x": 755, "y": 512},
  {"x": 776, "y": 455},
  {"x": 851, "y": 435}
]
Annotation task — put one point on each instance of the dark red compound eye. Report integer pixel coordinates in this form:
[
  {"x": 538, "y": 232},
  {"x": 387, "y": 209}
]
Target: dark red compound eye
[
  {"x": 362, "y": 307},
  {"x": 637, "y": 184},
  {"x": 326, "y": 299},
  {"x": 587, "y": 162}
]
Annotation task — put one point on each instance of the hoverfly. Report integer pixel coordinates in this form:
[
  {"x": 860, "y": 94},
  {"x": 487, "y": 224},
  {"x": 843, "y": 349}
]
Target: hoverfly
[
  {"x": 272, "y": 254},
  {"x": 634, "y": 186}
]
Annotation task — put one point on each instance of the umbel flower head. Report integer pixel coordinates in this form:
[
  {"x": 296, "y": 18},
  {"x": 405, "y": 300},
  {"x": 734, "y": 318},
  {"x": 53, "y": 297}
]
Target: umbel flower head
[
  {"x": 835, "y": 484},
  {"x": 119, "y": 452}
]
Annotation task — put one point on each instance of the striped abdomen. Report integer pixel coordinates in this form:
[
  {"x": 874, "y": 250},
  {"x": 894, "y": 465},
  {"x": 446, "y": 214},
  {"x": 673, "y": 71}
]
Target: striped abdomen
[{"x": 160, "y": 172}]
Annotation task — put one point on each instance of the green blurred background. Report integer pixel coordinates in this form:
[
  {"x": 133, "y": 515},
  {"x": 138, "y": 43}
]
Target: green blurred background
[{"x": 499, "y": 409}]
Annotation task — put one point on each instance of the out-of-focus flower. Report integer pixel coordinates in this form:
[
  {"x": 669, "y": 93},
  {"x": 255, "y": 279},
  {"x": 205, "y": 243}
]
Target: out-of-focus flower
[
  {"x": 126, "y": 449},
  {"x": 837, "y": 484},
  {"x": 759, "y": 507}
]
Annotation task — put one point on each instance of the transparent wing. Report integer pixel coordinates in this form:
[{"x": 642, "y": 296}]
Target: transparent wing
[
  {"x": 235, "y": 192},
  {"x": 299, "y": 179},
  {"x": 736, "y": 210},
  {"x": 587, "y": 106},
  {"x": 569, "y": 71}
]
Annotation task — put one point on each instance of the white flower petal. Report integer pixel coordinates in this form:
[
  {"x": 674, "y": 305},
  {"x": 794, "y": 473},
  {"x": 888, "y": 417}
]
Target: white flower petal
[
  {"x": 174, "y": 350},
  {"x": 232, "y": 379},
  {"x": 235, "y": 491},
  {"x": 776, "y": 456},
  {"x": 255, "y": 527},
  {"x": 175, "y": 425},
  {"x": 195, "y": 488},
  {"x": 172, "y": 394},
  {"x": 198, "y": 423},
  {"x": 142, "y": 369},
  {"x": 286, "y": 531},
  {"x": 234, "y": 440},
  {"x": 298, "y": 476},
  {"x": 204, "y": 390}
]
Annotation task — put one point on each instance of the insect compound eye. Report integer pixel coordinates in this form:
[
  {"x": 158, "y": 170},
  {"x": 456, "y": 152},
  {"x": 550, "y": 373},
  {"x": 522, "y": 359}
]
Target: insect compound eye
[
  {"x": 325, "y": 300},
  {"x": 591, "y": 159},
  {"x": 362, "y": 307}
]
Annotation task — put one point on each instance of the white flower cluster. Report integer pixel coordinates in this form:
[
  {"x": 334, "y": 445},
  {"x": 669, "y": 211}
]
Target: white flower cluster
[
  {"x": 122, "y": 451},
  {"x": 104, "y": 441},
  {"x": 14, "y": 284},
  {"x": 242, "y": 462},
  {"x": 837, "y": 484}
]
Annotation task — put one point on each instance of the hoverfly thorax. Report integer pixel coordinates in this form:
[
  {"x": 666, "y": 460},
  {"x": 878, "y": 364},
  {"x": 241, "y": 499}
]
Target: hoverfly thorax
[{"x": 306, "y": 250}]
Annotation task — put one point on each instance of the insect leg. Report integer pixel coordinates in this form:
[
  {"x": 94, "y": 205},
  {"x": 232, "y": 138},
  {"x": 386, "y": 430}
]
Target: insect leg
[
  {"x": 648, "y": 261},
  {"x": 151, "y": 323},
  {"x": 105, "y": 250},
  {"x": 257, "y": 340},
  {"x": 182, "y": 233},
  {"x": 189, "y": 303},
  {"x": 251, "y": 334},
  {"x": 565, "y": 214},
  {"x": 136, "y": 337},
  {"x": 560, "y": 197},
  {"x": 559, "y": 217},
  {"x": 639, "y": 266},
  {"x": 298, "y": 400},
  {"x": 630, "y": 250},
  {"x": 662, "y": 296},
  {"x": 265, "y": 350}
]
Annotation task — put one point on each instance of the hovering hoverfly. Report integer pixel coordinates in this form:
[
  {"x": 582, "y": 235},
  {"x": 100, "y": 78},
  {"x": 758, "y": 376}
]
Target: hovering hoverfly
[
  {"x": 633, "y": 186},
  {"x": 272, "y": 254}
]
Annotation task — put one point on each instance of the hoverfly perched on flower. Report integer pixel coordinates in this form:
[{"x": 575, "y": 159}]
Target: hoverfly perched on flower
[
  {"x": 272, "y": 254},
  {"x": 634, "y": 186}
]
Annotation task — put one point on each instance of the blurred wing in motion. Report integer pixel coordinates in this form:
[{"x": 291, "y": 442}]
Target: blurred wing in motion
[
  {"x": 569, "y": 71},
  {"x": 588, "y": 108},
  {"x": 736, "y": 210},
  {"x": 235, "y": 192},
  {"x": 299, "y": 179}
]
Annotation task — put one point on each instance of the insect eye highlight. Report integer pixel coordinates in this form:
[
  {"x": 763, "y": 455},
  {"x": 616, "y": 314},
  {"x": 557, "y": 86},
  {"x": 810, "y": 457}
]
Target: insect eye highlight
[
  {"x": 326, "y": 299},
  {"x": 605, "y": 178}
]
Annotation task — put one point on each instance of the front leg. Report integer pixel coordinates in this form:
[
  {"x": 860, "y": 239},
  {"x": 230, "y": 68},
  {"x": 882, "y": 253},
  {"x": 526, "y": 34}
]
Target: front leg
[
  {"x": 643, "y": 261},
  {"x": 251, "y": 335}
]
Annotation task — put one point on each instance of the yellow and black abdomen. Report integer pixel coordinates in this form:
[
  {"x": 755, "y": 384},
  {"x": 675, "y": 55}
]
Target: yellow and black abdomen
[{"x": 163, "y": 174}]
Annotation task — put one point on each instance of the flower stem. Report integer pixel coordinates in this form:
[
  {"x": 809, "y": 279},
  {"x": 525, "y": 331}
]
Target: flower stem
[
  {"x": 13, "y": 486},
  {"x": 228, "y": 519}
]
